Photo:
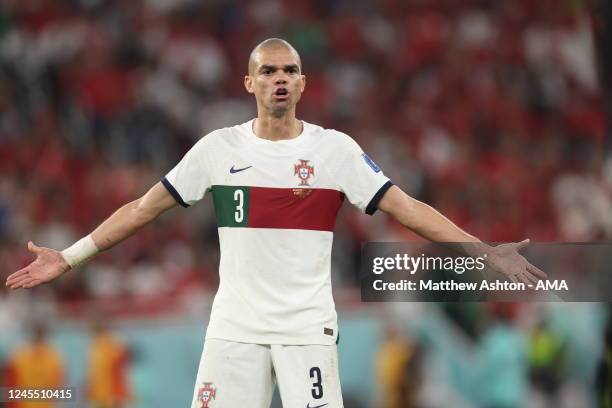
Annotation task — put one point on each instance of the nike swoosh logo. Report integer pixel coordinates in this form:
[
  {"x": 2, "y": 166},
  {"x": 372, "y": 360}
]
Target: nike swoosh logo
[
  {"x": 318, "y": 406},
  {"x": 233, "y": 170}
]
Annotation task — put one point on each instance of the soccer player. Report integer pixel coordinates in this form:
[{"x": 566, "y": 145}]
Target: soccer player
[{"x": 277, "y": 184}]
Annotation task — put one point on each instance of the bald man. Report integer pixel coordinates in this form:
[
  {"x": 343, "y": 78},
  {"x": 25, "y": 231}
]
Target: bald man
[{"x": 277, "y": 184}]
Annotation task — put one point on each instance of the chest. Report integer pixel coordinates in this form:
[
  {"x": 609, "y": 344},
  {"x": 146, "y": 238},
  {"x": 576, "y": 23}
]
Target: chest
[
  {"x": 275, "y": 188},
  {"x": 277, "y": 167}
]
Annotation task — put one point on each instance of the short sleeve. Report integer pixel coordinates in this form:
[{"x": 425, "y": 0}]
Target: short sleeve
[
  {"x": 189, "y": 180},
  {"x": 361, "y": 180}
]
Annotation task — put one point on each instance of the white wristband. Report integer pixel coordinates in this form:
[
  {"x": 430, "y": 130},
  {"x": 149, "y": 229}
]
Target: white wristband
[{"x": 80, "y": 251}]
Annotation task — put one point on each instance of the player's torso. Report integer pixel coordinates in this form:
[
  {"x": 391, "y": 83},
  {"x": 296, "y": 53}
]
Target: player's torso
[{"x": 276, "y": 207}]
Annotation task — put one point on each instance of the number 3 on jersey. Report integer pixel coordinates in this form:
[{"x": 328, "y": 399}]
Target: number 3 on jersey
[
  {"x": 231, "y": 205},
  {"x": 239, "y": 199}
]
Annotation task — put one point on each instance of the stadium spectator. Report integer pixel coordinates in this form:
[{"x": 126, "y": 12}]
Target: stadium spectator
[
  {"x": 547, "y": 362},
  {"x": 503, "y": 370},
  {"x": 398, "y": 370},
  {"x": 604, "y": 369},
  {"x": 108, "y": 369},
  {"x": 37, "y": 365}
]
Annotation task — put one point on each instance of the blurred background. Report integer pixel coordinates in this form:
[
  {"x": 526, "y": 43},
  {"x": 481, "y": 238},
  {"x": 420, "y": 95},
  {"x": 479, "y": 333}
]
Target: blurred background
[{"x": 495, "y": 112}]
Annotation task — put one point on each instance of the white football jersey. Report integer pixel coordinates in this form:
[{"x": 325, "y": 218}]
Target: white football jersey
[{"x": 276, "y": 204}]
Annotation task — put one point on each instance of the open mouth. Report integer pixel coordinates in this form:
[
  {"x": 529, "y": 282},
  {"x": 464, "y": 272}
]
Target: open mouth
[{"x": 281, "y": 94}]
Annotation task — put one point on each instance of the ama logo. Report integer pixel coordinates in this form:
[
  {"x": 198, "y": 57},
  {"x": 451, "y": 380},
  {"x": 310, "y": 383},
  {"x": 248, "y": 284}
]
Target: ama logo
[{"x": 552, "y": 285}]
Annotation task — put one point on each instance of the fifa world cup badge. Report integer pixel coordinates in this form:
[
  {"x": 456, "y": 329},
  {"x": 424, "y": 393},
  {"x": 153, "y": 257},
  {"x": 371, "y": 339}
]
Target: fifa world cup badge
[
  {"x": 206, "y": 394},
  {"x": 303, "y": 170}
]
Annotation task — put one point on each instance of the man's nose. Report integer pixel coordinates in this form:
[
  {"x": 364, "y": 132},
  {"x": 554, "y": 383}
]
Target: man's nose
[{"x": 281, "y": 78}]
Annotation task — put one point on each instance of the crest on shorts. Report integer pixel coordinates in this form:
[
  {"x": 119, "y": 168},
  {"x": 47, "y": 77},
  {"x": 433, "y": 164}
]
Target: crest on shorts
[
  {"x": 206, "y": 394},
  {"x": 303, "y": 170}
]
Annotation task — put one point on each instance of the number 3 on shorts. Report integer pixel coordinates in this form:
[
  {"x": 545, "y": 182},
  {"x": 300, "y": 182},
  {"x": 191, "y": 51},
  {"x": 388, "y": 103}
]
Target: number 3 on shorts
[{"x": 317, "y": 386}]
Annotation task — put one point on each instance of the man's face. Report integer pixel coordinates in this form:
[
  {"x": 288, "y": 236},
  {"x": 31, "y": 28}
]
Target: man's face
[{"x": 275, "y": 79}]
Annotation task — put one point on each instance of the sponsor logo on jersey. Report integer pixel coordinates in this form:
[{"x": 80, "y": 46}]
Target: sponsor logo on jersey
[
  {"x": 303, "y": 170},
  {"x": 233, "y": 170},
  {"x": 206, "y": 394},
  {"x": 370, "y": 162}
]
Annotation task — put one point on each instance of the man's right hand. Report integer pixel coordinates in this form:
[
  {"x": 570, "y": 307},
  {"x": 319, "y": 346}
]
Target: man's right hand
[{"x": 48, "y": 265}]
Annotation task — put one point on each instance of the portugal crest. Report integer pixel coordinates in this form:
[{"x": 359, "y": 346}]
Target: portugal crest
[
  {"x": 303, "y": 170},
  {"x": 206, "y": 394}
]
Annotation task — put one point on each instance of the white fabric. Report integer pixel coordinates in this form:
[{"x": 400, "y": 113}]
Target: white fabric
[
  {"x": 80, "y": 251},
  {"x": 307, "y": 376},
  {"x": 275, "y": 284},
  {"x": 237, "y": 375}
]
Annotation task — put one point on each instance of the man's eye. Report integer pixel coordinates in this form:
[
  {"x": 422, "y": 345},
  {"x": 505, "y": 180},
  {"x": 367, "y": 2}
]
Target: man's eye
[{"x": 267, "y": 71}]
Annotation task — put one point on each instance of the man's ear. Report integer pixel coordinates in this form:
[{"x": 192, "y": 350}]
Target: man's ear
[
  {"x": 303, "y": 82},
  {"x": 248, "y": 83}
]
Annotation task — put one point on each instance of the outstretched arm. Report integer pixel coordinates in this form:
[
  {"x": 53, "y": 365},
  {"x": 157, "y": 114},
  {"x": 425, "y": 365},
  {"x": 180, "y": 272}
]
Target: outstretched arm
[
  {"x": 430, "y": 224},
  {"x": 133, "y": 216},
  {"x": 124, "y": 222},
  {"x": 421, "y": 218}
]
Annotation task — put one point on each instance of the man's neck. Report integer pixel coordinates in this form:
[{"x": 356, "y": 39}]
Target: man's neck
[{"x": 273, "y": 128}]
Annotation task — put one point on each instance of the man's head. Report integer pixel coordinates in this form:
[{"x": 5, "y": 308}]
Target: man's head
[{"x": 275, "y": 76}]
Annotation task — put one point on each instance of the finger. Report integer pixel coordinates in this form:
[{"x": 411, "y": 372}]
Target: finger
[
  {"x": 19, "y": 282},
  {"x": 31, "y": 283},
  {"x": 34, "y": 248},
  {"x": 522, "y": 244},
  {"x": 529, "y": 279},
  {"x": 12, "y": 284},
  {"x": 23, "y": 283},
  {"x": 532, "y": 279},
  {"x": 531, "y": 285},
  {"x": 17, "y": 275},
  {"x": 513, "y": 278},
  {"x": 536, "y": 271},
  {"x": 16, "y": 285},
  {"x": 523, "y": 279},
  {"x": 12, "y": 278}
]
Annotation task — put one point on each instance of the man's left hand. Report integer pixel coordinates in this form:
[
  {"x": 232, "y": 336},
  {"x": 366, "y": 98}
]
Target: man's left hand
[{"x": 505, "y": 258}]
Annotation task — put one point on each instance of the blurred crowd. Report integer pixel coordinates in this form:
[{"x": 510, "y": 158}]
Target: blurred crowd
[
  {"x": 488, "y": 110},
  {"x": 38, "y": 364},
  {"x": 498, "y": 355}
]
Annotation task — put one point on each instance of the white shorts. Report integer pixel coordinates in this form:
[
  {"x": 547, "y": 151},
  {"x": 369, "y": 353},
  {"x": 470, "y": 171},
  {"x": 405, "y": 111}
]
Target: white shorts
[{"x": 242, "y": 375}]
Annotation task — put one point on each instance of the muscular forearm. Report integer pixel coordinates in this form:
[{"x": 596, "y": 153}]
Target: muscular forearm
[
  {"x": 421, "y": 218},
  {"x": 119, "y": 226},
  {"x": 122, "y": 224},
  {"x": 131, "y": 217},
  {"x": 430, "y": 224}
]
